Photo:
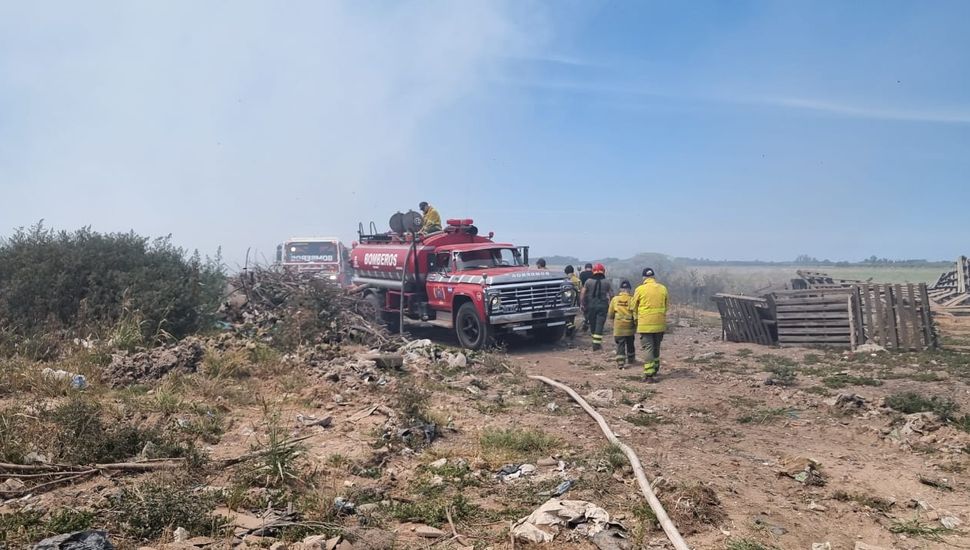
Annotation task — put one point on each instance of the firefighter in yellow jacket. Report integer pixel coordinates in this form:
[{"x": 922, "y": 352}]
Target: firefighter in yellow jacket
[
  {"x": 431, "y": 220},
  {"x": 623, "y": 326},
  {"x": 649, "y": 307},
  {"x": 578, "y": 286}
]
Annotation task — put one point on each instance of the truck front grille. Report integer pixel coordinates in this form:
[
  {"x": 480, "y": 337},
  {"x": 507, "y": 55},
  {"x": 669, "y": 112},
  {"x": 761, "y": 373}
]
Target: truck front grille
[{"x": 537, "y": 297}]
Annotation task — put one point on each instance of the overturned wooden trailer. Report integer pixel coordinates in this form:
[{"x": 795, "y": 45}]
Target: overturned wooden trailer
[
  {"x": 951, "y": 291},
  {"x": 895, "y": 317}
]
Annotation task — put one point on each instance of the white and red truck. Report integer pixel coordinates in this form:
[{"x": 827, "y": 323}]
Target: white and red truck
[
  {"x": 323, "y": 257},
  {"x": 458, "y": 279}
]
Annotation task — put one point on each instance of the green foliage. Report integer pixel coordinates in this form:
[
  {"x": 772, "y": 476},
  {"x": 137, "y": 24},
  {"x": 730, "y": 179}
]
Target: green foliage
[
  {"x": 916, "y": 528},
  {"x": 433, "y": 511},
  {"x": 912, "y": 402},
  {"x": 644, "y": 419},
  {"x": 84, "y": 281},
  {"x": 765, "y": 416},
  {"x": 517, "y": 443},
  {"x": 746, "y": 544},
  {"x": 148, "y": 508}
]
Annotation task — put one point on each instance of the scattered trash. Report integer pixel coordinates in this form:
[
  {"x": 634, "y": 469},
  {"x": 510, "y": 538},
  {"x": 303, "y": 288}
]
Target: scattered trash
[
  {"x": 602, "y": 397},
  {"x": 440, "y": 463},
  {"x": 511, "y": 472},
  {"x": 870, "y": 348},
  {"x": 343, "y": 506},
  {"x": 428, "y": 532},
  {"x": 950, "y": 522},
  {"x": 552, "y": 406},
  {"x": 79, "y": 540},
  {"x": 764, "y": 522},
  {"x": 544, "y": 523},
  {"x": 847, "y": 402},
  {"x": 312, "y": 420},
  {"x": 614, "y": 537},
  {"x": 12, "y": 485},
  {"x": 181, "y": 534},
  {"x": 33, "y": 457},
  {"x": 803, "y": 470},
  {"x": 821, "y": 546},
  {"x": 456, "y": 360},
  {"x": 560, "y": 489},
  {"x": 78, "y": 381}
]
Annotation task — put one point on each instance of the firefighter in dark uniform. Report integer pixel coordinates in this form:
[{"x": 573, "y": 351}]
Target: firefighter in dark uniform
[{"x": 595, "y": 300}]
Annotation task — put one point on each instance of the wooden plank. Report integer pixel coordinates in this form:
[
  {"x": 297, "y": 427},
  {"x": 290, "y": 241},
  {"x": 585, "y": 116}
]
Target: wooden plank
[
  {"x": 814, "y": 339},
  {"x": 820, "y": 315},
  {"x": 880, "y": 317},
  {"x": 962, "y": 274},
  {"x": 928, "y": 334},
  {"x": 913, "y": 317},
  {"x": 813, "y": 323},
  {"x": 899, "y": 298},
  {"x": 832, "y": 331},
  {"x": 891, "y": 326},
  {"x": 853, "y": 333},
  {"x": 839, "y": 306},
  {"x": 866, "y": 304}
]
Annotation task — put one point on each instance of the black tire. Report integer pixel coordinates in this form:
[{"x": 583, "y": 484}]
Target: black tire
[
  {"x": 550, "y": 335},
  {"x": 472, "y": 332}
]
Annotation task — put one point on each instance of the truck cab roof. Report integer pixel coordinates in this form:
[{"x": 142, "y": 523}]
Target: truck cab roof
[{"x": 471, "y": 247}]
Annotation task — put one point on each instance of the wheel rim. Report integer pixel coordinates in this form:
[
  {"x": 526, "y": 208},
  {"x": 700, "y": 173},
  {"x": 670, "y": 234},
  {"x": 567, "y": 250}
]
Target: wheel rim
[{"x": 469, "y": 328}]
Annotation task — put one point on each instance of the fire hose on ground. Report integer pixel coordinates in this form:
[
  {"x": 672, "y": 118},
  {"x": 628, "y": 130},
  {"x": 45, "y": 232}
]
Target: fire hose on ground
[{"x": 668, "y": 526}]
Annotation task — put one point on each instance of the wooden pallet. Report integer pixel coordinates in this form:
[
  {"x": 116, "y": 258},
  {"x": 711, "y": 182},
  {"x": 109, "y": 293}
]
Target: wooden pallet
[
  {"x": 745, "y": 319},
  {"x": 952, "y": 290},
  {"x": 819, "y": 316}
]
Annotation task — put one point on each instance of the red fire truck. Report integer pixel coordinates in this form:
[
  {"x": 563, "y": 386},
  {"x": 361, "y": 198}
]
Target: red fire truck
[
  {"x": 324, "y": 257},
  {"x": 458, "y": 279}
]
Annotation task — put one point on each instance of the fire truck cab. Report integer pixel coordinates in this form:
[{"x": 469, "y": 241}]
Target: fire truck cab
[
  {"x": 458, "y": 279},
  {"x": 323, "y": 257}
]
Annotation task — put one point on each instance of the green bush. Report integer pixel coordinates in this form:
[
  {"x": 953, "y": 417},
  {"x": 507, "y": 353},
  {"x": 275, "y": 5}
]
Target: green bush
[
  {"x": 912, "y": 402},
  {"x": 83, "y": 282}
]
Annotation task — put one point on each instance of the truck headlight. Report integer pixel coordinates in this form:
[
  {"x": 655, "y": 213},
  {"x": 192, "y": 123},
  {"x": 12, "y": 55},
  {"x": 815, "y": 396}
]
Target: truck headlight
[
  {"x": 568, "y": 295},
  {"x": 333, "y": 277},
  {"x": 494, "y": 303}
]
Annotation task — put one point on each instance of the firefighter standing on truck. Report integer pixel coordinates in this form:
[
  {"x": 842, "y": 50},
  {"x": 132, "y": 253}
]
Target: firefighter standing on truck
[
  {"x": 623, "y": 326},
  {"x": 431, "y": 221},
  {"x": 595, "y": 301},
  {"x": 649, "y": 307}
]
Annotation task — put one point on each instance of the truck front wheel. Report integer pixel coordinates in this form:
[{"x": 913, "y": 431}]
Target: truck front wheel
[{"x": 472, "y": 331}]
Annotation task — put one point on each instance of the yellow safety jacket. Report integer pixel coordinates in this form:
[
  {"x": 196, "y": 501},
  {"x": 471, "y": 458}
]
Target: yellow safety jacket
[
  {"x": 577, "y": 284},
  {"x": 621, "y": 314},
  {"x": 431, "y": 220},
  {"x": 649, "y": 304}
]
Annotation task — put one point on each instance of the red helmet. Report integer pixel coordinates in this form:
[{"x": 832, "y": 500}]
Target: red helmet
[{"x": 600, "y": 269}]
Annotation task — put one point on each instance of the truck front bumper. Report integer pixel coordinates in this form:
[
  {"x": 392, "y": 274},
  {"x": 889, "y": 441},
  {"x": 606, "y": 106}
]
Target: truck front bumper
[{"x": 541, "y": 318}]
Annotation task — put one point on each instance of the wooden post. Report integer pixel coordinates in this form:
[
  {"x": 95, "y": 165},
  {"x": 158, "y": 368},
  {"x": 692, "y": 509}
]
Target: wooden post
[
  {"x": 928, "y": 333},
  {"x": 891, "y": 318}
]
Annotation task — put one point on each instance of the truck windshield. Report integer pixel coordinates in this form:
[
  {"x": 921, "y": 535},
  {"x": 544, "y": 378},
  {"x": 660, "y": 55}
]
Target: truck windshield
[
  {"x": 302, "y": 252},
  {"x": 494, "y": 257}
]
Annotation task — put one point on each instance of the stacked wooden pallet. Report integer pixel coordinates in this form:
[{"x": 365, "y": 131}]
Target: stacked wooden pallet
[
  {"x": 814, "y": 317},
  {"x": 746, "y": 319},
  {"x": 818, "y": 279},
  {"x": 893, "y": 316},
  {"x": 952, "y": 291}
]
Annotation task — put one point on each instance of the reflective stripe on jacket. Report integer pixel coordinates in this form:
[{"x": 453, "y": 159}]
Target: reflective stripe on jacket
[
  {"x": 650, "y": 306},
  {"x": 621, "y": 314}
]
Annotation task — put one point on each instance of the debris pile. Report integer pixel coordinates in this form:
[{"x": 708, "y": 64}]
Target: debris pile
[
  {"x": 127, "y": 369},
  {"x": 545, "y": 522}
]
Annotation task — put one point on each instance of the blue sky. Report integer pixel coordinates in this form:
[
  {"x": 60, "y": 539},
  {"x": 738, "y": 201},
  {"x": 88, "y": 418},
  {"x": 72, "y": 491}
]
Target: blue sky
[{"x": 741, "y": 130}]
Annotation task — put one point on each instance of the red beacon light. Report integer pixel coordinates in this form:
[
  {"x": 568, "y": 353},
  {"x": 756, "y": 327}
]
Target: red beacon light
[{"x": 460, "y": 223}]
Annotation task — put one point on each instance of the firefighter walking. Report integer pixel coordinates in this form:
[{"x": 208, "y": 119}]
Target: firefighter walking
[
  {"x": 595, "y": 299},
  {"x": 649, "y": 307},
  {"x": 623, "y": 326},
  {"x": 578, "y": 285}
]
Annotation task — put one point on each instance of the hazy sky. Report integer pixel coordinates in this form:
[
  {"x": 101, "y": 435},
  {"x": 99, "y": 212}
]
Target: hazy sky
[{"x": 725, "y": 129}]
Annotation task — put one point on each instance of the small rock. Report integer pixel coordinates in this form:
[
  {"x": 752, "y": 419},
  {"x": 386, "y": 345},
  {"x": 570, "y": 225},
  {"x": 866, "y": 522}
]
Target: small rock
[
  {"x": 428, "y": 532},
  {"x": 436, "y": 481},
  {"x": 368, "y": 508},
  {"x": 440, "y": 463},
  {"x": 458, "y": 361},
  {"x": 552, "y": 406},
  {"x": 816, "y": 507},
  {"x": 869, "y": 348},
  {"x": 821, "y": 546},
  {"x": 343, "y": 506},
  {"x": 278, "y": 546},
  {"x": 527, "y": 469},
  {"x": 547, "y": 461},
  {"x": 600, "y": 397},
  {"x": 864, "y": 546},
  {"x": 12, "y": 485},
  {"x": 704, "y": 356}
]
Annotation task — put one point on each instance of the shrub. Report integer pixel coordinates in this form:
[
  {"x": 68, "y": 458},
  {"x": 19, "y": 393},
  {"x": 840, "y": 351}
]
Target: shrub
[
  {"x": 912, "y": 402},
  {"x": 84, "y": 281},
  {"x": 148, "y": 508}
]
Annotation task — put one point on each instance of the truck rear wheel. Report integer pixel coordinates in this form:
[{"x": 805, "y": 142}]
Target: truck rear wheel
[
  {"x": 550, "y": 335},
  {"x": 472, "y": 331}
]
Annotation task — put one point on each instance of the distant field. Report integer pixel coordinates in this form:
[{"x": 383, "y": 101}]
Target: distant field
[{"x": 876, "y": 274}]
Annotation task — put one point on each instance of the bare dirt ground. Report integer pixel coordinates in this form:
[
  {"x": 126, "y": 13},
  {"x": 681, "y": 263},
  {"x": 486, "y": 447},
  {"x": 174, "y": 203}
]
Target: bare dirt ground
[{"x": 727, "y": 450}]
